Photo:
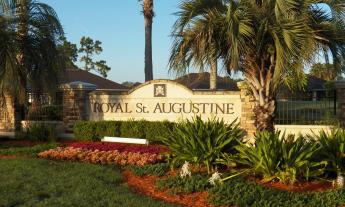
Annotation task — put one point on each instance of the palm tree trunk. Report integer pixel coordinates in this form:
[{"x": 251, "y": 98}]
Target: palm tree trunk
[
  {"x": 259, "y": 80},
  {"x": 22, "y": 33},
  {"x": 148, "y": 15},
  {"x": 213, "y": 74},
  {"x": 264, "y": 116}
]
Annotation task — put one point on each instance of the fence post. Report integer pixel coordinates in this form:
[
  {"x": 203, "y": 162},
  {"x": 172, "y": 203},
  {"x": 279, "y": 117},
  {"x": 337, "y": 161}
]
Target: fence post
[
  {"x": 340, "y": 96},
  {"x": 75, "y": 99},
  {"x": 247, "y": 114}
]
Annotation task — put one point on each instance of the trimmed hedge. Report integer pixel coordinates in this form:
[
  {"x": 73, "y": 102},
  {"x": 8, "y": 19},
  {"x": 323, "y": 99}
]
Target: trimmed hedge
[{"x": 96, "y": 130}]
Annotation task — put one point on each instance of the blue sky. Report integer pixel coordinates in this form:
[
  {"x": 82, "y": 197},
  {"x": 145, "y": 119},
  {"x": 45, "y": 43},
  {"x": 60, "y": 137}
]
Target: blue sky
[{"x": 119, "y": 25}]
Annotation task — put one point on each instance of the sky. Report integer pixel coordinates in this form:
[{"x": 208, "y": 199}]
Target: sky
[{"x": 119, "y": 25}]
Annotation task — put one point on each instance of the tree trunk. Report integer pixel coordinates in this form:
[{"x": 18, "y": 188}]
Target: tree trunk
[
  {"x": 22, "y": 34},
  {"x": 213, "y": 75},
  {"x": 148, "y": 49},
  {"x": 259, "y": 77},
  {"x": 264, "y": 116}
]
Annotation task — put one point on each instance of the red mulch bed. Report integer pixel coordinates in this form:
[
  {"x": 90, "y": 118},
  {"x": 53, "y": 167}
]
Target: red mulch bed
[
  {"x": 146, "y": 186},
  {"x": 21, "y": 143},
  {"x": 7, "y": 156},
  {"x": 302, "y": 187}
]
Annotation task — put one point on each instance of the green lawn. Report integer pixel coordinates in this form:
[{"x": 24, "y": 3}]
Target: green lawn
[
  {"x": 28, "y": 151},
  {"x": 39, "y": 182}
]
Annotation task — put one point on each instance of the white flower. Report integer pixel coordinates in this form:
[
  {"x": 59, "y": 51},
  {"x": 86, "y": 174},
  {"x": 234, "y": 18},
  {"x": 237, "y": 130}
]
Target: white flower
[
  {"x": 185, "y": 171},
  {"x": 215, "y": 178}
]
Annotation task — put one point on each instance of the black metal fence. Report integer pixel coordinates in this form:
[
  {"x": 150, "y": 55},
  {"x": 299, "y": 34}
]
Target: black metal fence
[
  {"x": 307, "y": 109},
  {"x": 43, "y": 107}
]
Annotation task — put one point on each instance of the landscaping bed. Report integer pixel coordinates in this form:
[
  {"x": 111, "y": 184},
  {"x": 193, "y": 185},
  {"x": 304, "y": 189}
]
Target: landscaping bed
[
  {"x": 303, "y": 187},
  {"x": 240, "y": 191},
  {"x": 213, "y": 166},
  {"x": 147, "y": 186}
]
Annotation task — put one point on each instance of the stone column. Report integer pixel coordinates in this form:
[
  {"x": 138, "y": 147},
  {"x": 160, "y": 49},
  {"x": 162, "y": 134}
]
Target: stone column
[
  {"x": 75, "y": 99},
  {"x": 247, "y": 114},
  {"x": 9, "y": 115},
  {"x": 340, "y": 96}
]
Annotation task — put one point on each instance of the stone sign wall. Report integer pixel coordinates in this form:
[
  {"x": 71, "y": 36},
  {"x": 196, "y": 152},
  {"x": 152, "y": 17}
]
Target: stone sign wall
[
  {"x": 160, "y": 100},
  {"x": 156, "y": 100}
]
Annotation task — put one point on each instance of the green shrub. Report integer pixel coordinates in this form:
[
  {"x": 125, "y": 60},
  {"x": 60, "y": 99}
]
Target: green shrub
[
  {"x": 96, "y": 130},
  {"x": 333, "y": 150},
  {"x": 106, "y": 128},
  {"x": 41, "y": 132},
  {"x": 274, "y": 157},
  {"x": 135, "y": 129},
  {"x": 156, "y": 129},
  {"x": 195, "y": 183},
  {"x": 157, "y": 169},
  {"x": 201, "y": 142}
]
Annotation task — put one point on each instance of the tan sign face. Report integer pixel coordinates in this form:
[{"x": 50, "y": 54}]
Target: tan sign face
[{"x": 164, "y": 100}]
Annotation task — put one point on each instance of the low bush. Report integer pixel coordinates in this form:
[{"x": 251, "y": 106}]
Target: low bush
[
  {"x": 157, "y": 169},
  {"x": 133, "y": 128},
  {"x": 96, "y": 130},
  {"x": 101, "y": 157},
  {"x": 280, "y": 158},
  {"x": 202, "y": 142},
  {"x": 121, "y": 147},
  {"x": 177, "y": 184},
  {"x": 41, "y": 132},
  {"x": 241, "y": 192}
]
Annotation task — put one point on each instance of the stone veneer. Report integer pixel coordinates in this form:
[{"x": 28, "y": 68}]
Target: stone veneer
[
  {"x": 75, "y": 98},
  {"x": 247, "y": 115}
]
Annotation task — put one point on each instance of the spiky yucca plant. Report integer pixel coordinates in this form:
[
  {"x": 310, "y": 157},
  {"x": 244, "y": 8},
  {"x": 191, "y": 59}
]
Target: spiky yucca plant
[
  {"x": 333, "y": 151},
  {"x": 275, "y": 157},
  {"x": 202, "y": 142}
]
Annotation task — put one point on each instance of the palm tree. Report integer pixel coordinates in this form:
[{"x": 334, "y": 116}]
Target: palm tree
[
  {"x": 9, "y": 77},
  {"x": 324, "y": 71},
  {"x": 148, "y": 18},
  {"x": 269, "y": 41},
  {"x": 197, "y": 41},
  {"x": 30, "y": 56}
]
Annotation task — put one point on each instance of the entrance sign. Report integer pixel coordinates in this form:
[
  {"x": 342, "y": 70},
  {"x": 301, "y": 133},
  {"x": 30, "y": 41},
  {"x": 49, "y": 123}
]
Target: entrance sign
[{"x": 160, "y": 100}]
